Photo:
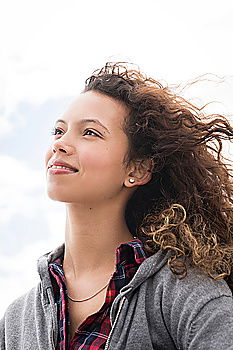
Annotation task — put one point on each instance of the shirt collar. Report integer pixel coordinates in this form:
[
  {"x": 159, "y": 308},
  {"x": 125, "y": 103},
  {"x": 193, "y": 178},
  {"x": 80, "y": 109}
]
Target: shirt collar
[{"x": 130, "y": 252}]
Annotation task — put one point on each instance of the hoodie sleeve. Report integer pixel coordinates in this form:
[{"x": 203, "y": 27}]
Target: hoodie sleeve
[
  {"x": 212, "y": 328},
  {"x": 28, "y": 323},
  {"x": 199, "y": 312}
]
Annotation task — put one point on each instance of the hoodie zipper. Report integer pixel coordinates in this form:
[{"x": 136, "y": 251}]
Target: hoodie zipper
[
  {"x": 115, "y": 321},
  {"x": 53, "y": 340},
  {"x": 53, "y": 308}
]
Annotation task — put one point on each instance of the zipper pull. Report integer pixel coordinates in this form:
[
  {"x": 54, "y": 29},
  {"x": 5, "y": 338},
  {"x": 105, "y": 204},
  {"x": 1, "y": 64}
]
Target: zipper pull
[{"x": 114, "y": 323}]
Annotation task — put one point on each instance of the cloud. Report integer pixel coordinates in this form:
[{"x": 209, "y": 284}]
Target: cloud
[
  {"x": 5, "y": 125},
  {"x": 24, "y": 207},
  {"x": 17, "y": 182},
  {"x": 60, "y": 43}
]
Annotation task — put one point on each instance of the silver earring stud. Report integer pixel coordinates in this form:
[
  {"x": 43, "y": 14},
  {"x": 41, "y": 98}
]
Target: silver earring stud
[{"x": 131, "y": 181}]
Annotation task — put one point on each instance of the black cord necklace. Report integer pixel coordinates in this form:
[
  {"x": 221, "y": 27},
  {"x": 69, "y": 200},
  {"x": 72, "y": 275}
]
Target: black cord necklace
[{"x": 81, "y": 300}]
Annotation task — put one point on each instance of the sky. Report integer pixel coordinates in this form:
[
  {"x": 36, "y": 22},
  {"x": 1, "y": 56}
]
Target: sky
[{"x": 47, "y": 50}]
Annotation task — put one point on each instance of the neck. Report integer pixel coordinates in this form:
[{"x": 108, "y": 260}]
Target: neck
[{"x": 91, "y": 239}]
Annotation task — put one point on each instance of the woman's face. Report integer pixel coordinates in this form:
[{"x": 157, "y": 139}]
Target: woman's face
[{"x": 96, "y": 151}]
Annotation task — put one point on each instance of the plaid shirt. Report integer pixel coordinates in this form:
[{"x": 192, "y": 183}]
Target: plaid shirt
[{"x": 93, "y": 333}]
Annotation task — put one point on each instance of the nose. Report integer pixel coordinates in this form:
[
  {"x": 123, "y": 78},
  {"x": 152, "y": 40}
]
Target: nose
[{"x": 62, "y": 146}]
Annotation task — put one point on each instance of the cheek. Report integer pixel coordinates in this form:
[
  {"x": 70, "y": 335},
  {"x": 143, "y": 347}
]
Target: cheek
[{"x": 106, "y": 159}]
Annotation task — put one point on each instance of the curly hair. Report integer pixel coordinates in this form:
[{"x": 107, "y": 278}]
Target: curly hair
[{"x": 187, "y": 205}]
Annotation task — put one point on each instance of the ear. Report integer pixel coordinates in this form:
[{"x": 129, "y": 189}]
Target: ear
[{"x": 141, "y": 172}]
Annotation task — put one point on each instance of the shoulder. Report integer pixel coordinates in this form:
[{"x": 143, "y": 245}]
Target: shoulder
[
  {"x": 20, "y": 315},
  {"x": 155, "y": 273},
  {"x": 195, "y": 284},
  {"x": 27, "y": 321},
  {"x": 196, "y": 309},
  {"x": 155, "y": 270},
  {"x": 23, "y": 304},
  {"x": 195, "y": 289}
]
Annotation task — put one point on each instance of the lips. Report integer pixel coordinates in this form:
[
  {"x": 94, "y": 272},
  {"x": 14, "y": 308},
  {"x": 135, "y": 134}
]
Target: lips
[{"x": 62, "y": 163}]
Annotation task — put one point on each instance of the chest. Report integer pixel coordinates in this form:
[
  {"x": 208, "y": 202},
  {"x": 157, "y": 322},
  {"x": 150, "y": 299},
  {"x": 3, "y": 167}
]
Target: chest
[{"x": 80, "y": 311}]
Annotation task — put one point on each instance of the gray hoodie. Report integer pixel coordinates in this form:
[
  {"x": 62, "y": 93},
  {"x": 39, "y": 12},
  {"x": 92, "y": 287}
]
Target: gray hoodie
[{"x": 156, "y": 310}]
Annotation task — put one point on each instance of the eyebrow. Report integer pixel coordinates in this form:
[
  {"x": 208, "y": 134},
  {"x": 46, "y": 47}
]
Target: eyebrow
[{"x": 84, "y": 121}]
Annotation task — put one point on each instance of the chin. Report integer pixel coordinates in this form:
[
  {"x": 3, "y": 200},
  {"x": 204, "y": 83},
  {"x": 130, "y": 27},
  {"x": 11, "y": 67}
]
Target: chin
[
  {"x": 57, "y": 196},
  {"x": 61, "y": 196}
]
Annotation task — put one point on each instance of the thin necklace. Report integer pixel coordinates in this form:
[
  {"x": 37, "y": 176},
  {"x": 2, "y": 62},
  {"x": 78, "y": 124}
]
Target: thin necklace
[{"x": 80, "y": 301}]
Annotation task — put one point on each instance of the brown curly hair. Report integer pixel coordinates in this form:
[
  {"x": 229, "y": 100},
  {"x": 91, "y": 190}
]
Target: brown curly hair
[{"x": 187, "y": 205}]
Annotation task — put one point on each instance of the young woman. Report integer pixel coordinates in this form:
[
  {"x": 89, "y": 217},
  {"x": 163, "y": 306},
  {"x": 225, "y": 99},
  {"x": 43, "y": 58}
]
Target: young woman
[{"x": 148, "y": 252}]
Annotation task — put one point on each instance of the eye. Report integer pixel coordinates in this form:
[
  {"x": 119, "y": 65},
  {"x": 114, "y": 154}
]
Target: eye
[
  {"x": 54, "y": 131},
  {"x": 87, "y": 130}
]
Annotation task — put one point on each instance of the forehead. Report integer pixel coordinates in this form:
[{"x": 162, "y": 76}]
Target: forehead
[{"x": 92, "y": 104}]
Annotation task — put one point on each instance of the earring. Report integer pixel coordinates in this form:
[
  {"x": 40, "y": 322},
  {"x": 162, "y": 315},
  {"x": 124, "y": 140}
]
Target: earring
[{"x": 131, "y": 181}]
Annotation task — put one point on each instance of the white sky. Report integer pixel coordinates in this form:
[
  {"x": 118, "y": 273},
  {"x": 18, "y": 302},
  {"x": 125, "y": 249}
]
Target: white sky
[{"x": 47, "y": 49}]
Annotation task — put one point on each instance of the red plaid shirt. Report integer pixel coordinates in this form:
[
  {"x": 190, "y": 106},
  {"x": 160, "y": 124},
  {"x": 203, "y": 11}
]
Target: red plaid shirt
[{"x": 93, "y": 333}]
